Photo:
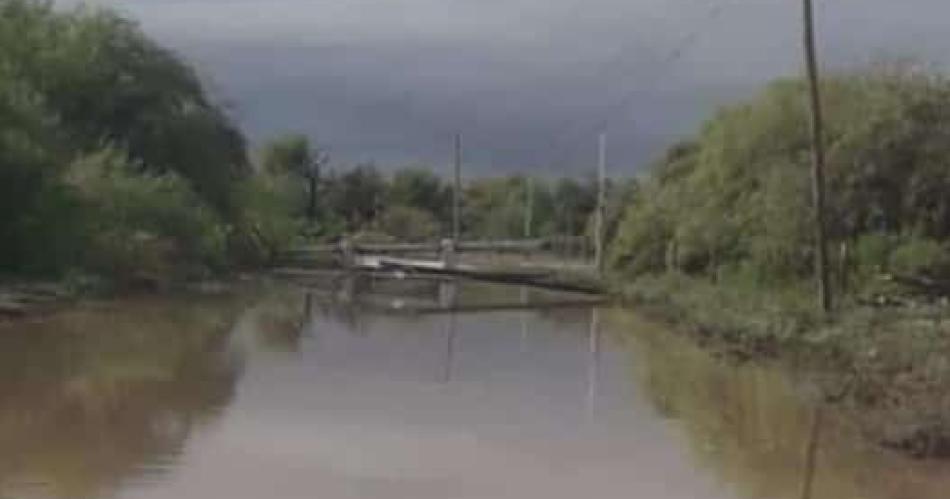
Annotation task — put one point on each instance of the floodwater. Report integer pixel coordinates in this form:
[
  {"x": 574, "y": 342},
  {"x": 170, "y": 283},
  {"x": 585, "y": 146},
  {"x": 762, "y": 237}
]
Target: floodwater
[{"x": 373, "y": 390}]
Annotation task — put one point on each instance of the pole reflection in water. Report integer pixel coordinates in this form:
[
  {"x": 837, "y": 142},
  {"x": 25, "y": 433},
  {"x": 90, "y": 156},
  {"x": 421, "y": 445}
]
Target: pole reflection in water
[
  {"x": 96, "y": 399},
  {"x": 165, "y": 399},
  {"x": 308, "y": 307},
  {"x": 593, "y": 362},
  {"x": 346, "y": 292},
  {"x": 448, "y": 299},
  {"x": 525, "y": 318},
  {"x": 811, "y": 451},
  {"x": 307, "y": 311}
]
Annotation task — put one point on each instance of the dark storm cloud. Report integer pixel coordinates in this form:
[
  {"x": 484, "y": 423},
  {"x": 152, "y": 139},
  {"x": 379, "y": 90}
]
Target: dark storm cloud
[{"x": 528, "y": 81}]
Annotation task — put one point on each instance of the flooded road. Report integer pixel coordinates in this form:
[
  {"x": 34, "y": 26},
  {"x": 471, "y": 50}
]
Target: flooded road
[{"x": 406, "y": 390}]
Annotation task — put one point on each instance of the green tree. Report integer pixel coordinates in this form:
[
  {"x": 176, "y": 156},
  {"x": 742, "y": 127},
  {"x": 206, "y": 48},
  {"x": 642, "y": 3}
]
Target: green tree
[
  {"x": 738, "y": 195},
  {"x": 494, "y": 208},
  {"x": 576, "y": 202},
  {"x": 356, "y": 195},
  {"x": 406, "y": 223},
  {"x": 105, "y": 82},
  {"x": 421, "y": 189},
  {"x": 84, "y": 90},
  {"x": 293, "y": 155}
]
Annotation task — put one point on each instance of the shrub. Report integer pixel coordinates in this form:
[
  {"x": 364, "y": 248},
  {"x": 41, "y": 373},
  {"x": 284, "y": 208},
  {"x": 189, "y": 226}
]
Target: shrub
[
  {"x": 409, "y": 224},
  {"x": 268, "y": 225},
  {"x": 739, "y": 195},
  {"x": 143, "y": 224},
  {"x": 921, "y": 256},
  {"x": 872, "y": 253}
]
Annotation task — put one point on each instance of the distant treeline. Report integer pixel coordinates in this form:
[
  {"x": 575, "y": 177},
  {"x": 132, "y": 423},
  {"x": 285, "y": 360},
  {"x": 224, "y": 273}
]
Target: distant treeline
[{"x": 415, "y": 204}]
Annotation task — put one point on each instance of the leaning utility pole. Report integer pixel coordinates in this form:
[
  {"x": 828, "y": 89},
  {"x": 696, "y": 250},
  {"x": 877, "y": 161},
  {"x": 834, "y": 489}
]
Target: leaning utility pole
[
  {"x": 457, "y": 191},
  {"x": 599, "y": 221},
  {"x": 818, "y": 160}
]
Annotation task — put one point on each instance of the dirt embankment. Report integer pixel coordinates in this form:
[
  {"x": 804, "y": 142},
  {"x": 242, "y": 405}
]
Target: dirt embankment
[{"x": 888, "y": 368}]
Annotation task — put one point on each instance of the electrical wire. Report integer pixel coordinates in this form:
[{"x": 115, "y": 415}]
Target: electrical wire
[{"x": 581, "y": 130}]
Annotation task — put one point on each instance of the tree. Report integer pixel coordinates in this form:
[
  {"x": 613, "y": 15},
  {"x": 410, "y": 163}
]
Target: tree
[
  {"x": 407, "y": 223},
  {"x": 107, "y": 83},
  {"x": 82, "y": 88},
  {"x": 494, "y": 208},
  {"x": 421, "y": 189},
  {"x": 739, "y": 195},
  {"x": 356, "y": 195},
  {"x": 576, "y": 202},
  {"x": 293, "y": 155}
]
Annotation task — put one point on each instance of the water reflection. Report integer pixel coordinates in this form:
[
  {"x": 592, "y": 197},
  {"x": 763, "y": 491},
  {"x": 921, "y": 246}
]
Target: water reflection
[
  {"x": 104, "y": 399},
  {"x": 92, "y": 397},
  {"x": 353, "y": 388},
  {"x": 593, "y": 362},
  {"x": 750, "y": 424}
]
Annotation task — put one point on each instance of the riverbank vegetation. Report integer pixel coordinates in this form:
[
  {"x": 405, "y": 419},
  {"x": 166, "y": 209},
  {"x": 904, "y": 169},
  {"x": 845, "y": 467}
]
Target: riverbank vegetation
[
  {"x": 113, "y": 158},
  {"x": 720, "y": 240},
  {"x": 117, "y": 165}
]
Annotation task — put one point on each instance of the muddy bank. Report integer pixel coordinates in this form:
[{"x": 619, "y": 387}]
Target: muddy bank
[
  {"x": 886, "y": 369},
  {"x": 28, "y": 299}
]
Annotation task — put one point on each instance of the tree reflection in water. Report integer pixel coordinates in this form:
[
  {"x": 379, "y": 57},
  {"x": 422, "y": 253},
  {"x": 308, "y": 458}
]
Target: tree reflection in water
[
  {"x": 95, "y": 397},
  {"x": 92, "y": 397},
  {"x": 752, "y": 425}
]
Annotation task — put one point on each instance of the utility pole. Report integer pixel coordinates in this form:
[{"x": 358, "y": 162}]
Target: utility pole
[
  {"x": 457, "y": 191},
  {"x": 599, "y": 221},
  {"x": 818, "y": 160},
  {"x": 319, "y": 159},
  {"x": 528, "y": 207}
]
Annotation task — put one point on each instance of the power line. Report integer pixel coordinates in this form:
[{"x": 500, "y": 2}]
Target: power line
[{"x": 562, "y": 141}]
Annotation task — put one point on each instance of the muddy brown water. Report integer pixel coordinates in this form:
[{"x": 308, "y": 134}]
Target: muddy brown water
[{"x": 341, "y": 392}]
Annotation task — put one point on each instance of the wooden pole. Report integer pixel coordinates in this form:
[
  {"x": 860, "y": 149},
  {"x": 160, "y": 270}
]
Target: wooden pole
[
  {"x": 312, "y": 205},
  {"x": 599, "y": 221},
  {"x": 320, "y": 158},
  {"x": 457, "y": 190},
  {"x": 818, "y": 160},
  {"x": 593, "y": 363},
  {"x": 528, "y": 207}
]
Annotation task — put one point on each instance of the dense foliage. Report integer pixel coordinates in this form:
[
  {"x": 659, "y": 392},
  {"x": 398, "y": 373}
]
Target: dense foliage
[
  {"x": 415, "y": 204},
  {"x": 113, "y": 157},
  {"x": 719, "y": 241},
  {"x": 737, "y": 197}
]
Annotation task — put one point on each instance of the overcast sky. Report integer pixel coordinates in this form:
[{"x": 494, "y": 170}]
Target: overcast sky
[{"x": 528, "y": 82}]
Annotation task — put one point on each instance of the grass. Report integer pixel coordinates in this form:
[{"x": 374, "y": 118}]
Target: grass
[{"x": 888, "y": 367}]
